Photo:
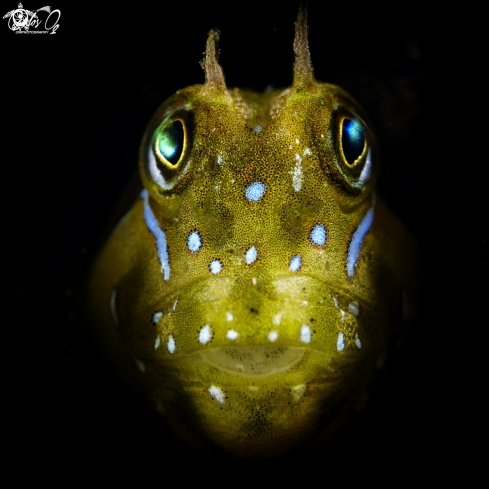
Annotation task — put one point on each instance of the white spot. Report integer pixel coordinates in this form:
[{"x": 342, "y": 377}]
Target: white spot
[
  {"x": 277, "y": 318},
  {"x": 297, "y": 141},
  {"x": 272, "y": 336},
  {"x": 251, "y": 255},
  {"x": 305, "y": 334},
  {"x": 175, "y": 304},
  {"x": 295, "y": 263},
  {"x": 159, "y": 236},
  {"x": 298, "y": 391},
  {"x": 255, "y": 191},
  {"x": 290, "y": 147},
  {"x": 253, "y": 280},
  {"x": 171, "y": 344},
  {"x": 318, "y": 235},
  {"x": 367, "y": 170},
  {"x": 297, "y": 174},
  {"x": 307, "y": 151},
  {"x": 335, "y": 302},
  {"x": 219, "y": 159},
  {"x": 231, "y": 334},
  {"x": 215, "y": 267},
  {"x": 229, "y": 316},
  {"x": 217, "y": 394},
  {"x": 357, "y": 240},
  {"x": 205, "y": 334},
  {"x": 157, "y": 317},
  {"x": 113, "y": 308},
  {"x": 232, "y": 180},
  {"x": 257, "y": 128},
  {"x": 353, "y": 308},
  {"x": 304, "y": 303},
  {"x": 358, "y": 342},
  {"x": 343, "y": 314},
  {"x": 340, "y": 342},
  {"x": 194, "y": 242},
  {"x": 156, "y": 175},
  {"x": 140, "y": 365},
  {"x": 157, "y": 342},
  {"x": 253, "y": 388},
  {"x": 322, "y": 135}
]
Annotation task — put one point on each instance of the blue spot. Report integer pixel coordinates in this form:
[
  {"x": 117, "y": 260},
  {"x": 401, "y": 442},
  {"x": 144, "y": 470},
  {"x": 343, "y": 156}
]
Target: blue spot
[
  {"x": 159, "y": 235},
  {"x": 255, "y": 191},
  {"x": 194, "y": 242},
  {"x": 355, "y": 133},
  {"x": 295, "y": 264},
  {"x": 257, "y": 128},
  {"x": 318, "y": 235},
  {"x": 357, "y": 240},
  {"x": 251, "y": 255},
  {"x": 352, "y": 140},
  {"x": 215, "y": 266}
]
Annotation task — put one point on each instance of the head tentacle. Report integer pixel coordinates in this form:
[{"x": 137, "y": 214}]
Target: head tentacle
[
  {"x": 214, "y": 76},
  {"x": 303, "y": 70}
]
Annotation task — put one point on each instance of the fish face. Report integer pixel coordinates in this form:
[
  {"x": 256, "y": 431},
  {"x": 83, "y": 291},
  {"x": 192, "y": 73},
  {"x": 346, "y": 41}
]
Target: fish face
[{"x": 257, "y": 279}]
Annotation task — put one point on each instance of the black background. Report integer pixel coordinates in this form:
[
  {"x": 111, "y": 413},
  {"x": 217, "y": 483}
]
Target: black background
[{"x": 75, "y": 106}]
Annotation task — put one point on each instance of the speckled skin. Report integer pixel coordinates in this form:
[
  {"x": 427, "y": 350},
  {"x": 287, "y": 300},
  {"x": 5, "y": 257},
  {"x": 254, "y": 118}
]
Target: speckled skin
[{"x": 233, "y": 139}]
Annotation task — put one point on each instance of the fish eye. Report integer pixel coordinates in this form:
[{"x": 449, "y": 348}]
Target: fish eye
[
  {"x": 169, "y": 143},
  {"x": 355, "y": 150},
  {"x": 164, "y": 155},
  {"x": 353, "y": 143}
]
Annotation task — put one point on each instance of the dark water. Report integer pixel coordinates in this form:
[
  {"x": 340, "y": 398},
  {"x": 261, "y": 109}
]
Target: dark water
[{"x": 78, "y": 104}]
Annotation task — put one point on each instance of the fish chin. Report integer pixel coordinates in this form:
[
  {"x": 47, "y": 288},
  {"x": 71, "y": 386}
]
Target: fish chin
[
  {"x": 252, "y": 372},
  {"x": 277, "y": 396},
  {"x": 253, "y": 362}
]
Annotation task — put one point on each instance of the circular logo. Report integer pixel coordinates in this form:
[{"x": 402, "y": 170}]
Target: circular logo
[{"x": 20, "y": 17}]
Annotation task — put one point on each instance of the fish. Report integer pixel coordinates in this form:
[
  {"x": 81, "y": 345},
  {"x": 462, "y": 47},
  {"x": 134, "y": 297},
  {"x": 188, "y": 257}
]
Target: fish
[{"x": 257, "y": 282}]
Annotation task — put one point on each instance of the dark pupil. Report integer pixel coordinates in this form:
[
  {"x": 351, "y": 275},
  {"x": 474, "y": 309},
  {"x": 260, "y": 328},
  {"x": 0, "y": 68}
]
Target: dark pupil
[
  {"x": 170, "y": 142},
  {"x": 352, "y": 139}
]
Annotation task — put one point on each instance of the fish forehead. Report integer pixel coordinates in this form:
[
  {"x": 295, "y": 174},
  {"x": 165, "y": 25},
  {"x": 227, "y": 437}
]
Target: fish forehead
[
  {"x": 250, "y": 120},
  {"x": 251, "y": 145},
  {"x": 257, "y": 190}
]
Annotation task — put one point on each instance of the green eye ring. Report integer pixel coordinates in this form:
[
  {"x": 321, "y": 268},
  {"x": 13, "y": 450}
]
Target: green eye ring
[
  {"x": 170, "y": 143},
  {"x": 353, "y": 141}
]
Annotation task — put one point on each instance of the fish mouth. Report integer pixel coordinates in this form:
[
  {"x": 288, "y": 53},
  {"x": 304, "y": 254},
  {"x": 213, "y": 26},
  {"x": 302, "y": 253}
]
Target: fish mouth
[{"x": 253, "y": 361}]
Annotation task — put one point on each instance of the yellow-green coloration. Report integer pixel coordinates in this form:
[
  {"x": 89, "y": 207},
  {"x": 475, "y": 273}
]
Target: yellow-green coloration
[{"x": 262, "y": 329}]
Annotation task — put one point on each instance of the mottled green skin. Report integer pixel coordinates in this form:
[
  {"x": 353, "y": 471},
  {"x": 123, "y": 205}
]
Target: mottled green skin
[{"x": 266, "y": 414}]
